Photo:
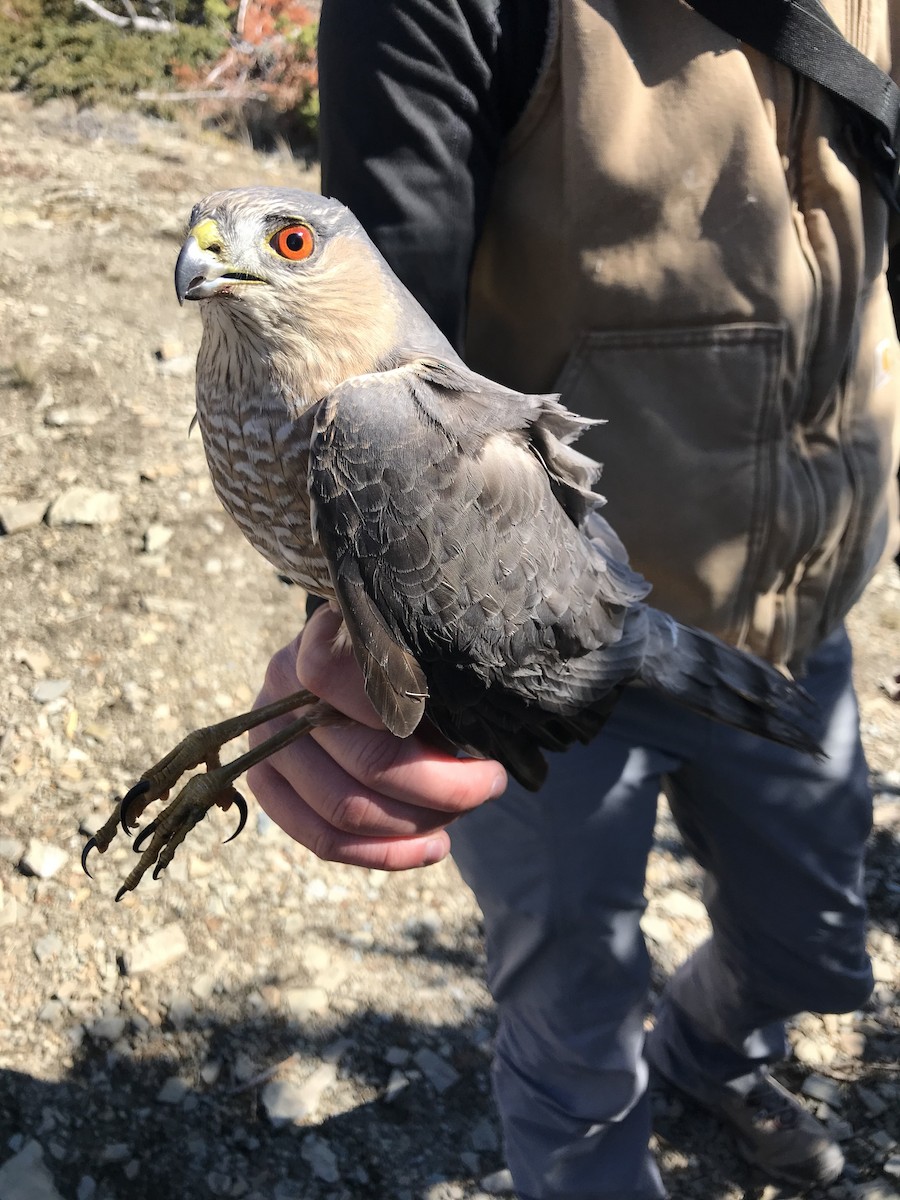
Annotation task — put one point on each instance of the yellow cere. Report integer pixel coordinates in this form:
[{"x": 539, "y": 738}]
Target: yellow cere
[{"x": 206, "y": 234}]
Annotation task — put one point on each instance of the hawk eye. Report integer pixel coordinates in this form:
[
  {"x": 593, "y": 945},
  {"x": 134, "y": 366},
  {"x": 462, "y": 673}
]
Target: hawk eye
[{"x": 294, "y": 242}]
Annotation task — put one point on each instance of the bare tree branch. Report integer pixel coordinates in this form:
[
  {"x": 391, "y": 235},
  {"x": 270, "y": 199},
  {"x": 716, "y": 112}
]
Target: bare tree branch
[
  {"x": 241, "y": 18},
  {"x": 144, "y": 24},
  {"x": 231, "y": 94}
]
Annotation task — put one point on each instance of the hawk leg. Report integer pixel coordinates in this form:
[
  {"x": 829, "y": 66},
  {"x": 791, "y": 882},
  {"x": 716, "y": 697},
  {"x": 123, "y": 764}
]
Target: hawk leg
[{"x": 201, "y": 792}]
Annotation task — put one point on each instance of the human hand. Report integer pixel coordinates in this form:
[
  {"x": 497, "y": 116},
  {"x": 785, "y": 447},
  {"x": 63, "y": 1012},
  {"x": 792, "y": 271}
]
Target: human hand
[{"x": 355, "y": 793}]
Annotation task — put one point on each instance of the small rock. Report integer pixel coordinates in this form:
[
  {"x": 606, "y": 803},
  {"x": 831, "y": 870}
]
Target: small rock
[
  {"x": 841, "y": 1131},
  {"x": 84, "y": 506},
  {"x": 852, "y": 1043},
  {"x": 396, "y": 1056},
  {"x": 36, "y": 659},
  {"x": 210, "y": 1071},
  {"x": 306, "y": 1002},
  {"x": 47, "y": 946},
  {"x": 180, "y": 1010},
  {"x": 100, "y": 733},
  {"x": 157, "y": 951},
  {"x": 173, "y": 1091},
  {"x": 48, "y": 690},
  {"x": 244, "y": 1068},
  {"x": 115, "y": 1152},
  {"x": 51, "y": 1012},
  {"x": 871, "y": 1101},
  {"x": 26, "y": 1177},
  {"x": 204, "y": 985},
  {"x": 79, "y": 417},
  {"x": 182, "y": 365},
  {"x": 892, "y": 1166},
  {"x": 87, "y": 1188},
  {"x": 484, "y": 1136},
  {"x": 17, "y": 517},
  {"x": 314, "y": 957},
  {"x": 156, "y": 538},
  {"x": 284, "y": 1102},
  {"x": 657, "y": 928},
  {"x": 817, "y": 1087},
  {"x": 498, "y": 1184},
  {"x": 439, "y": 1073},
  {"x": 107, "y": 1029},
  {"x": 314, "y": 1087},
  {"x": 814, "y": 1053},
  {"x": 169, "y": 348},
  {"x": 11, "y": 849},
  {"x": 42, "y": 859},
  {"x": 397, "y": 1083},
  {"x": 884, "y": 972},
  {"x": 316, "y": 889},
  {"x": 317, "y": 1152},
  {"x": 681, "y": 904}
]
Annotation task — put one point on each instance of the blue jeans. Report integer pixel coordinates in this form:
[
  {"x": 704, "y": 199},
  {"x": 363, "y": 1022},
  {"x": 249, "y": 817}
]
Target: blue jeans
[{"x": 560, "y": 878}]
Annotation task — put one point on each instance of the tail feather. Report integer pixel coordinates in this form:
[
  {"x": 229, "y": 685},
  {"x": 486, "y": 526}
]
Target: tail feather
[{"x": 728, "y": 685}]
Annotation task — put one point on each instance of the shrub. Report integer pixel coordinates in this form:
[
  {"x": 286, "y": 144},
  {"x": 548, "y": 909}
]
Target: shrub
[{"x": 264, "y": 71}]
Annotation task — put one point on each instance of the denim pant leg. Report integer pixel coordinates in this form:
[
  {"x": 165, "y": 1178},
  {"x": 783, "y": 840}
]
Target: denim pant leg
[
  {"x": 782, "y": 839},
  {"x": 559, "y": 877}
]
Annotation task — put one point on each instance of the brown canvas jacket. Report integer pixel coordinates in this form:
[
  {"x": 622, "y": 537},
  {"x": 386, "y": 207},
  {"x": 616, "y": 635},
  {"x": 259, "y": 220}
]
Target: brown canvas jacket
[{"x": 682, "y": 241}]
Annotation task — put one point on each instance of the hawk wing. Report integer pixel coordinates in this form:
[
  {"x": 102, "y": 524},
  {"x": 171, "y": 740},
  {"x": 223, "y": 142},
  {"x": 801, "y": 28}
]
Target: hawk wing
[{"x": 462, "y": 541}]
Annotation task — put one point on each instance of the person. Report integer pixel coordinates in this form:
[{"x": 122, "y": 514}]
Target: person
[{"x": 617, "y": 201}]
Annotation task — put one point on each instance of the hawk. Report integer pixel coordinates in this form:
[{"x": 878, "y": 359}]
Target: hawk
[{"x": 449, "y": 519}]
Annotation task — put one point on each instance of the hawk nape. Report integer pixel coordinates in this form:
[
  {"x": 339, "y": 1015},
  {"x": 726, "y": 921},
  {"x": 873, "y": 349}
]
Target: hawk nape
[{"x": 446, "y": 517}]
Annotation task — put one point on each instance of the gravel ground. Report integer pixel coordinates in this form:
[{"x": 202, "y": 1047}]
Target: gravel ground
[{"x": 258, "y": 1024}]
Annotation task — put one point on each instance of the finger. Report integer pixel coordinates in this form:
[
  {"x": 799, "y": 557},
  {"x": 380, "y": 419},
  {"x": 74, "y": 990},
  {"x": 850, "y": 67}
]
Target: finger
[
  {"x": 410, "y": 770},
  {"x": 343, "y": 802},
  {"x": 304, "y": 825}
]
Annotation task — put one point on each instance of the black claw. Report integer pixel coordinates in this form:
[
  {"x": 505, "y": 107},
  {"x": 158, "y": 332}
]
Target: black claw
[
  {"x": 89, "y": 845},
  {"x": 157, "y": 870},
  {"x": 121, "y": 892},
  {"x": 130, "y": 796},
  {"x": 141, "y": 838},
  {"x": 238, "y": 800}
]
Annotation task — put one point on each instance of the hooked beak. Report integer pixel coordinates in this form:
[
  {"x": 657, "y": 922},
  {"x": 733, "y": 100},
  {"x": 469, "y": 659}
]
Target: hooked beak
[{"x": 202, "y": 269}]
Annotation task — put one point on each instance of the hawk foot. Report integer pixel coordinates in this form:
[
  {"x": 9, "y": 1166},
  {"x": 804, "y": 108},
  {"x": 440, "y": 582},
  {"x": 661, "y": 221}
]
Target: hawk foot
[{"x": 214, "y": 787}]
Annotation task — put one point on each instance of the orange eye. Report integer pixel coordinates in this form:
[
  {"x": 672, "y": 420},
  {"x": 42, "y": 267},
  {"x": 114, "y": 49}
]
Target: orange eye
[{"x": 294, "y": 242}]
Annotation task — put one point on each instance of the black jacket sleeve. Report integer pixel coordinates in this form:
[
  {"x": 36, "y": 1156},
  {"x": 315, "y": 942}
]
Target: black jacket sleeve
[{"x": 416, "y": 99}]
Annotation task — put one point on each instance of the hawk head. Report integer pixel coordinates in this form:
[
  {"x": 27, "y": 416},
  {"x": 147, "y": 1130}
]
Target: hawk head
[
  {"x": 295, "y": 279},
  {"x": 272, "y": 239}
]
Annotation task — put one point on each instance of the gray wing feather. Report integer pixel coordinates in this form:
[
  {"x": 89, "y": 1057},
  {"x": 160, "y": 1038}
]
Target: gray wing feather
[{"x": 450, "y": 512}]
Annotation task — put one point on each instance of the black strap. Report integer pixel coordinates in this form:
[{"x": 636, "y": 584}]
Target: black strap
[{"x": 801, "y": 34}]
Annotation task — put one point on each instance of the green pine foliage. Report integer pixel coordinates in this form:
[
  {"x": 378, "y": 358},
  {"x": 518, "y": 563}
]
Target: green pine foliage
[{"x": 94, "y": 61}]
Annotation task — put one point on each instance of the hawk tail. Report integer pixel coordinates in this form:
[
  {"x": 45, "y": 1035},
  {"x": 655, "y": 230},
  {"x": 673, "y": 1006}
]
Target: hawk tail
[{"x": 726, "y": 684}]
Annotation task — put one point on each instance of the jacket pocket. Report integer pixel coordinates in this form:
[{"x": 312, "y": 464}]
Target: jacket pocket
[{"x": 706, "y": 487}]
